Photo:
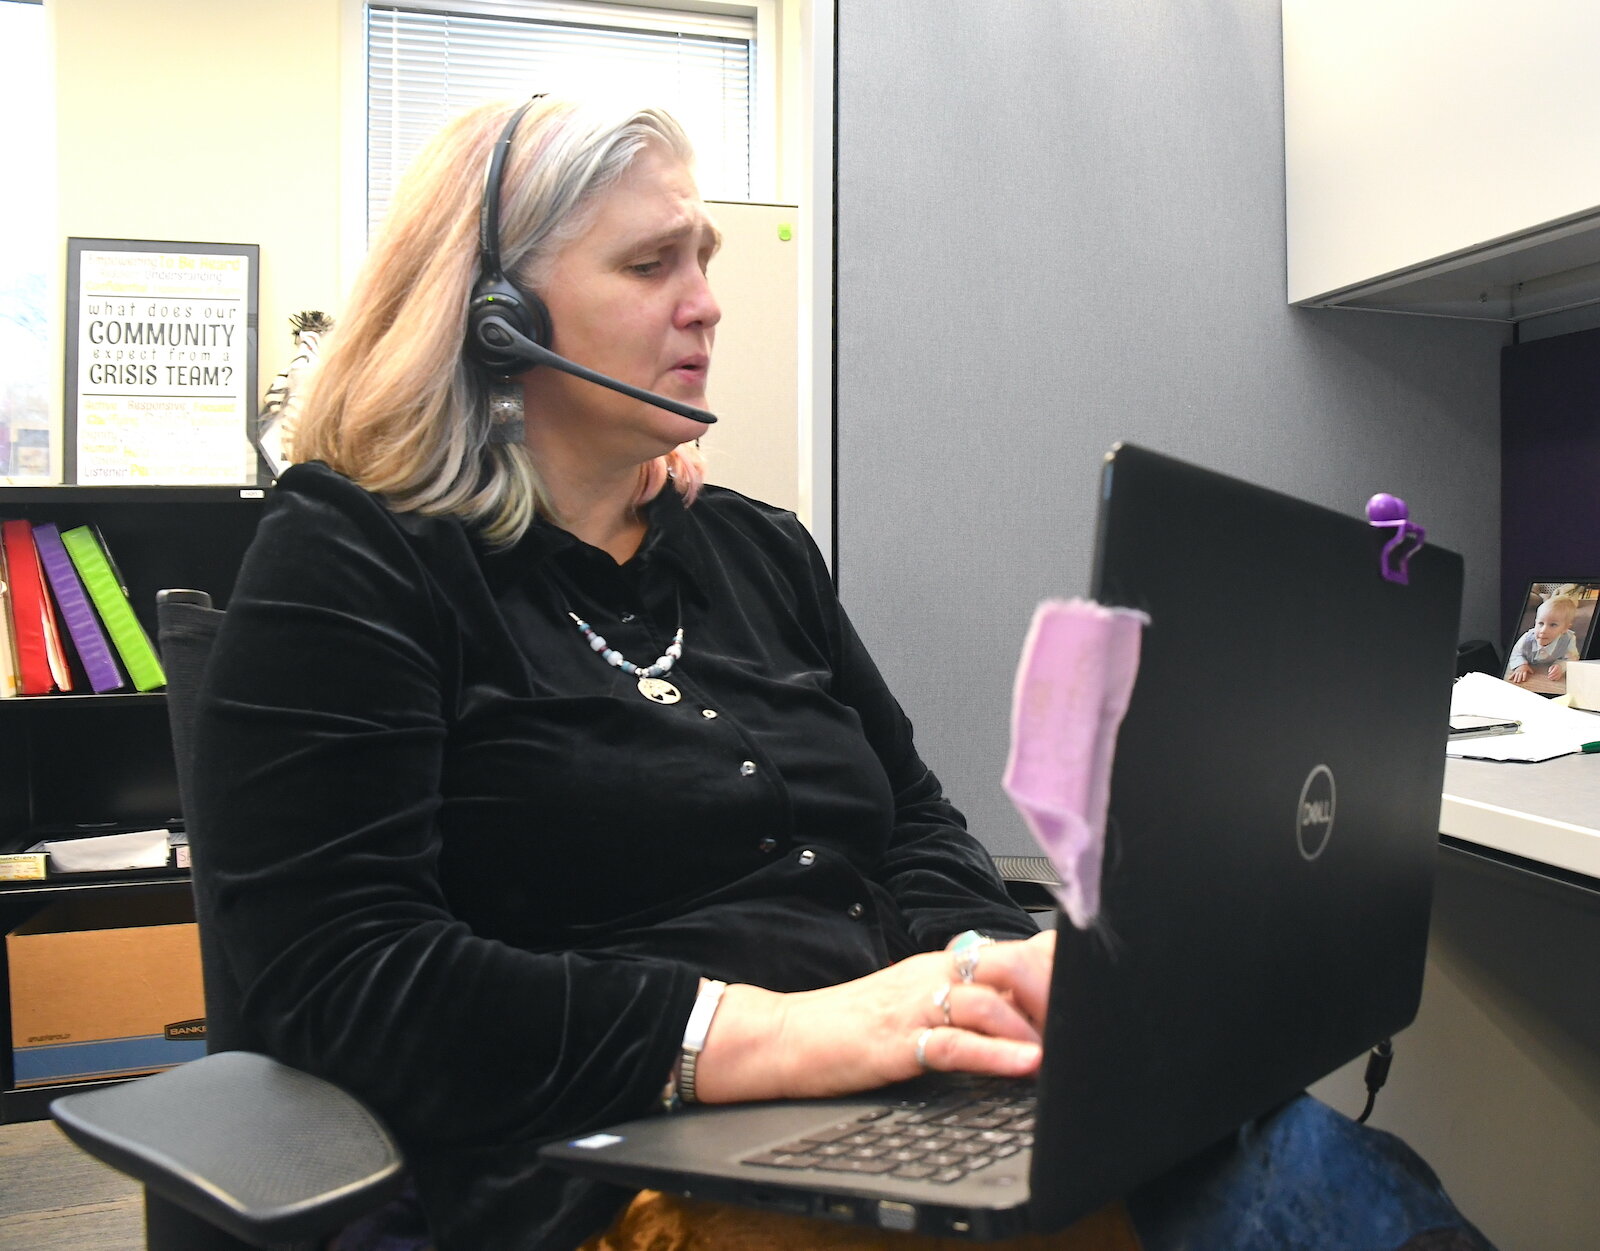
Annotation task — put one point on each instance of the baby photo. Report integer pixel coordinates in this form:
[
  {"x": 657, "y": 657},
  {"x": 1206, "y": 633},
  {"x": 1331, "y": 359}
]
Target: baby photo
[{"x": 1553, "y": 629}]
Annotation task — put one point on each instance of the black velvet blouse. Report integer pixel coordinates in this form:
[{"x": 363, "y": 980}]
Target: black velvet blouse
[{"x": 465, "y": 868}]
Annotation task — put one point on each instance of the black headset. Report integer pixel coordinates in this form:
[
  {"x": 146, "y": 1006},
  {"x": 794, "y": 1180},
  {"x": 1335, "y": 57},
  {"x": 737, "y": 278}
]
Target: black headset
[{"x": 508, "y": 329}]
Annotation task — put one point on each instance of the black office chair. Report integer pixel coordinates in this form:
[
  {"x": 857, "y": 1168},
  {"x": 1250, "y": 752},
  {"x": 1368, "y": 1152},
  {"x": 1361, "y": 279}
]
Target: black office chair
[
  {"x": 234, "y": 1150},
  {"x": 1031, "y": 881}
]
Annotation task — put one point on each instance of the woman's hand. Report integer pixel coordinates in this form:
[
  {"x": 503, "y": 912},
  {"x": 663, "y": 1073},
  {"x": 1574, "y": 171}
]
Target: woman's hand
[{"x": 864, "y": 1034}]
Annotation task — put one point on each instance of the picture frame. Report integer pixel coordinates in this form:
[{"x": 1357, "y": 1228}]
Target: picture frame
[
  {"x": 161, "y": 363},
  {"x": 1584, "y": 593}
]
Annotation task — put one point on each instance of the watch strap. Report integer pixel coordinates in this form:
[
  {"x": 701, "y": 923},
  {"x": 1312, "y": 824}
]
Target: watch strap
[{"x": 694, "y": 1036}]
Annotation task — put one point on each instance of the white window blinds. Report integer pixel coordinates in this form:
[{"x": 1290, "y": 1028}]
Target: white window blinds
[
  {"x": 29, "y": 247},
  {"x": 423, "y": 66}
]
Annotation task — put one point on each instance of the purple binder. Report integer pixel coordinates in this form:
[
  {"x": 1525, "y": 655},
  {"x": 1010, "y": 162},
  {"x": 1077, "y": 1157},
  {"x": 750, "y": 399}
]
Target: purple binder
[{"x": 82, "y": 622}]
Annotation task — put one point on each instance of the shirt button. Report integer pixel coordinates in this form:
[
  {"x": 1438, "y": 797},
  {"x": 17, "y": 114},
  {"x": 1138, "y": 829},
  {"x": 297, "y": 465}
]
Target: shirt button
[
  {"x": 808, "y": 857},
  {"x": 710, "y": 714},
  {"x": 768, "y": 845},
  {"x": 854, "y": 911},
  {"x": 747, "y": 768}
]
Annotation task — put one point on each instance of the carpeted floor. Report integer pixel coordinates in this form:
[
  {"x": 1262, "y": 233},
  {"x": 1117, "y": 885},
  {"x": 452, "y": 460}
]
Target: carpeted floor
[{"x": 53, "y": 1197}]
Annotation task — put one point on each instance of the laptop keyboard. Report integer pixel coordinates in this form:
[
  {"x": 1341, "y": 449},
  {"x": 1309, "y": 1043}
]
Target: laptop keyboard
[{"x": 939, "y": 1139}]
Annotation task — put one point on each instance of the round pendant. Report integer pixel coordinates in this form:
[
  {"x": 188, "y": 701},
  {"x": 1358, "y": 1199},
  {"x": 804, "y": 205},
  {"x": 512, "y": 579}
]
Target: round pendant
[{"x": 659, "y": 690}]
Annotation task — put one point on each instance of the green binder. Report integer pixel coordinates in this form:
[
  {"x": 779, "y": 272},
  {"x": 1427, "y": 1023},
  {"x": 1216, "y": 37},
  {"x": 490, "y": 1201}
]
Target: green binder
[{"x": 111, "y": 602}]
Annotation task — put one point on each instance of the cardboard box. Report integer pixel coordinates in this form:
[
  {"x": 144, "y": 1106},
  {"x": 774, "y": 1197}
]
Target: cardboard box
[{"x": 105, "y": 988}]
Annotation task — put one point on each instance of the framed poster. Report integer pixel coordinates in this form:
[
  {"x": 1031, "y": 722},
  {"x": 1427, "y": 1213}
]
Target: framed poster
[{"x": 161, "y": 363}]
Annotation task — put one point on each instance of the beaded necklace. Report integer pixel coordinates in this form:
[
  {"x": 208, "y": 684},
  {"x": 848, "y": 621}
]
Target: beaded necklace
[{"x": 651, "y": 677}]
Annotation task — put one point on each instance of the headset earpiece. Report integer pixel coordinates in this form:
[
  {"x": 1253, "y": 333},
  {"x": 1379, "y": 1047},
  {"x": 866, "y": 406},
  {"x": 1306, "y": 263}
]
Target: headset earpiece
[{"x": 498, "y": 302}]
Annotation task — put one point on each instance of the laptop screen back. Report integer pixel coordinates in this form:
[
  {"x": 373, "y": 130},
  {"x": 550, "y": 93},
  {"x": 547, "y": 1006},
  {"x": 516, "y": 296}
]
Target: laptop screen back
[{"x": 1274, "y": 817}]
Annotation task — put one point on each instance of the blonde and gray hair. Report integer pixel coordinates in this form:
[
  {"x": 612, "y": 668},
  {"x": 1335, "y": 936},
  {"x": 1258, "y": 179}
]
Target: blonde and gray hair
[{"x": 395, "y": 404}]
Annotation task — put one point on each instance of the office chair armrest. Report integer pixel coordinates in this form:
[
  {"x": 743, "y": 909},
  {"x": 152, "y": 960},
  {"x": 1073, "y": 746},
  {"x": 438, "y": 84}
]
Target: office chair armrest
[
  {"x": 261, "y": 1150},
  {"x": 1031, "y": 881}
]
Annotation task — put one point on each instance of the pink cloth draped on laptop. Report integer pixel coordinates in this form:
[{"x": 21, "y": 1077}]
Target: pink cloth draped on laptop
[{"x": 1072, "y": 688}]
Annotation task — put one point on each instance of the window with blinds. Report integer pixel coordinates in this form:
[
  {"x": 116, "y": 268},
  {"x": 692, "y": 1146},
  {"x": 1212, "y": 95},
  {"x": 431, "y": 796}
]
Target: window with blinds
[
  {"x": 424, "y": 65},
  {"x": 29, "y": 246}
]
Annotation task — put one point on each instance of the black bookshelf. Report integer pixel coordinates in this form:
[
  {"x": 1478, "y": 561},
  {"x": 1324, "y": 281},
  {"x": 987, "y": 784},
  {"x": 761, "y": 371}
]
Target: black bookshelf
[{"x": 105, "y": 761}]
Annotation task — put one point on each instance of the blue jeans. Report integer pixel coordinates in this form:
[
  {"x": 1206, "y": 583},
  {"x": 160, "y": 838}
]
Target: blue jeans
[{"x": 1303, "y": 1178}]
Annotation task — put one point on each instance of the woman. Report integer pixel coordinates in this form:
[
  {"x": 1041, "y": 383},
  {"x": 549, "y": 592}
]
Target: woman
[
  {"x": 475, "y": 863},
  {"x": 469, "y": 870}
]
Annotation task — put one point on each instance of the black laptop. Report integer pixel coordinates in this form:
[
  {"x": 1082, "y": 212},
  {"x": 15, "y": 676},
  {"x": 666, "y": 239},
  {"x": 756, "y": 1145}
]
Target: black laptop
[{"x": 1265, "y": 899}]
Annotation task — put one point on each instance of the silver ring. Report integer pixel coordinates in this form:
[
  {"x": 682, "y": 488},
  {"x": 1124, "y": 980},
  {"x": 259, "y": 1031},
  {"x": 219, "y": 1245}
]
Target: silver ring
[
  {"x": 941, "y": 1000},
  {"x": 922, "y": 1049},
  {"x": 966, "y": 962}
]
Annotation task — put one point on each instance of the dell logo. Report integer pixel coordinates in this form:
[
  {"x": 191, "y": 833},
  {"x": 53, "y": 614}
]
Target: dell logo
[{"x": 1314, "y": 814}]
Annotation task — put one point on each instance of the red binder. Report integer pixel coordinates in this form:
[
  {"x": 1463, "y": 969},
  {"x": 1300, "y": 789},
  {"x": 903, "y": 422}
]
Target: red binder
[{"x": 41, "y": 662}]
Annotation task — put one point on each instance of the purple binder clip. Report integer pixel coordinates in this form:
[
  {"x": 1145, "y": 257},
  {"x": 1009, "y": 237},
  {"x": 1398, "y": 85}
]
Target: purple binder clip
[{"x": 1384, "y": 509}]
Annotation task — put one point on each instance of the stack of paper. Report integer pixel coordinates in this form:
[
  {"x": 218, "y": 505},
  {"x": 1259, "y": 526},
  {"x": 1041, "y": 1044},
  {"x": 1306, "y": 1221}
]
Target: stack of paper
[
  {"x": 104, "y": 853},
  {"x": 1548, "y": 728}
]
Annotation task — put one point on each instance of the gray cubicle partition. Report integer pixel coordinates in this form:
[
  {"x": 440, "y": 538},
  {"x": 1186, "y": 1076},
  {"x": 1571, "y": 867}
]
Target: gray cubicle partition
[{"x": 1060, "y": 225}]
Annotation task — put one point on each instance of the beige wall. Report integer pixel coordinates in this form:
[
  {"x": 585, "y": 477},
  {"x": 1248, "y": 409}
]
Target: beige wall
[
  {"x": 755, "y": 445},
  {"x": 207, "y": 123}
]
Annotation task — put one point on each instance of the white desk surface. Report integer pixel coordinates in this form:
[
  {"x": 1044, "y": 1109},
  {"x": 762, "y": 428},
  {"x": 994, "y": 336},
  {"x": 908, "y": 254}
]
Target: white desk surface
[{"x": 1547, "y": 812}]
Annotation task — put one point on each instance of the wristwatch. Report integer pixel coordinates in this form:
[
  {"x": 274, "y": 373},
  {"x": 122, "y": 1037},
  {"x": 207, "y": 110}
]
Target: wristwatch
[{"x": 680, "y": 1087}]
